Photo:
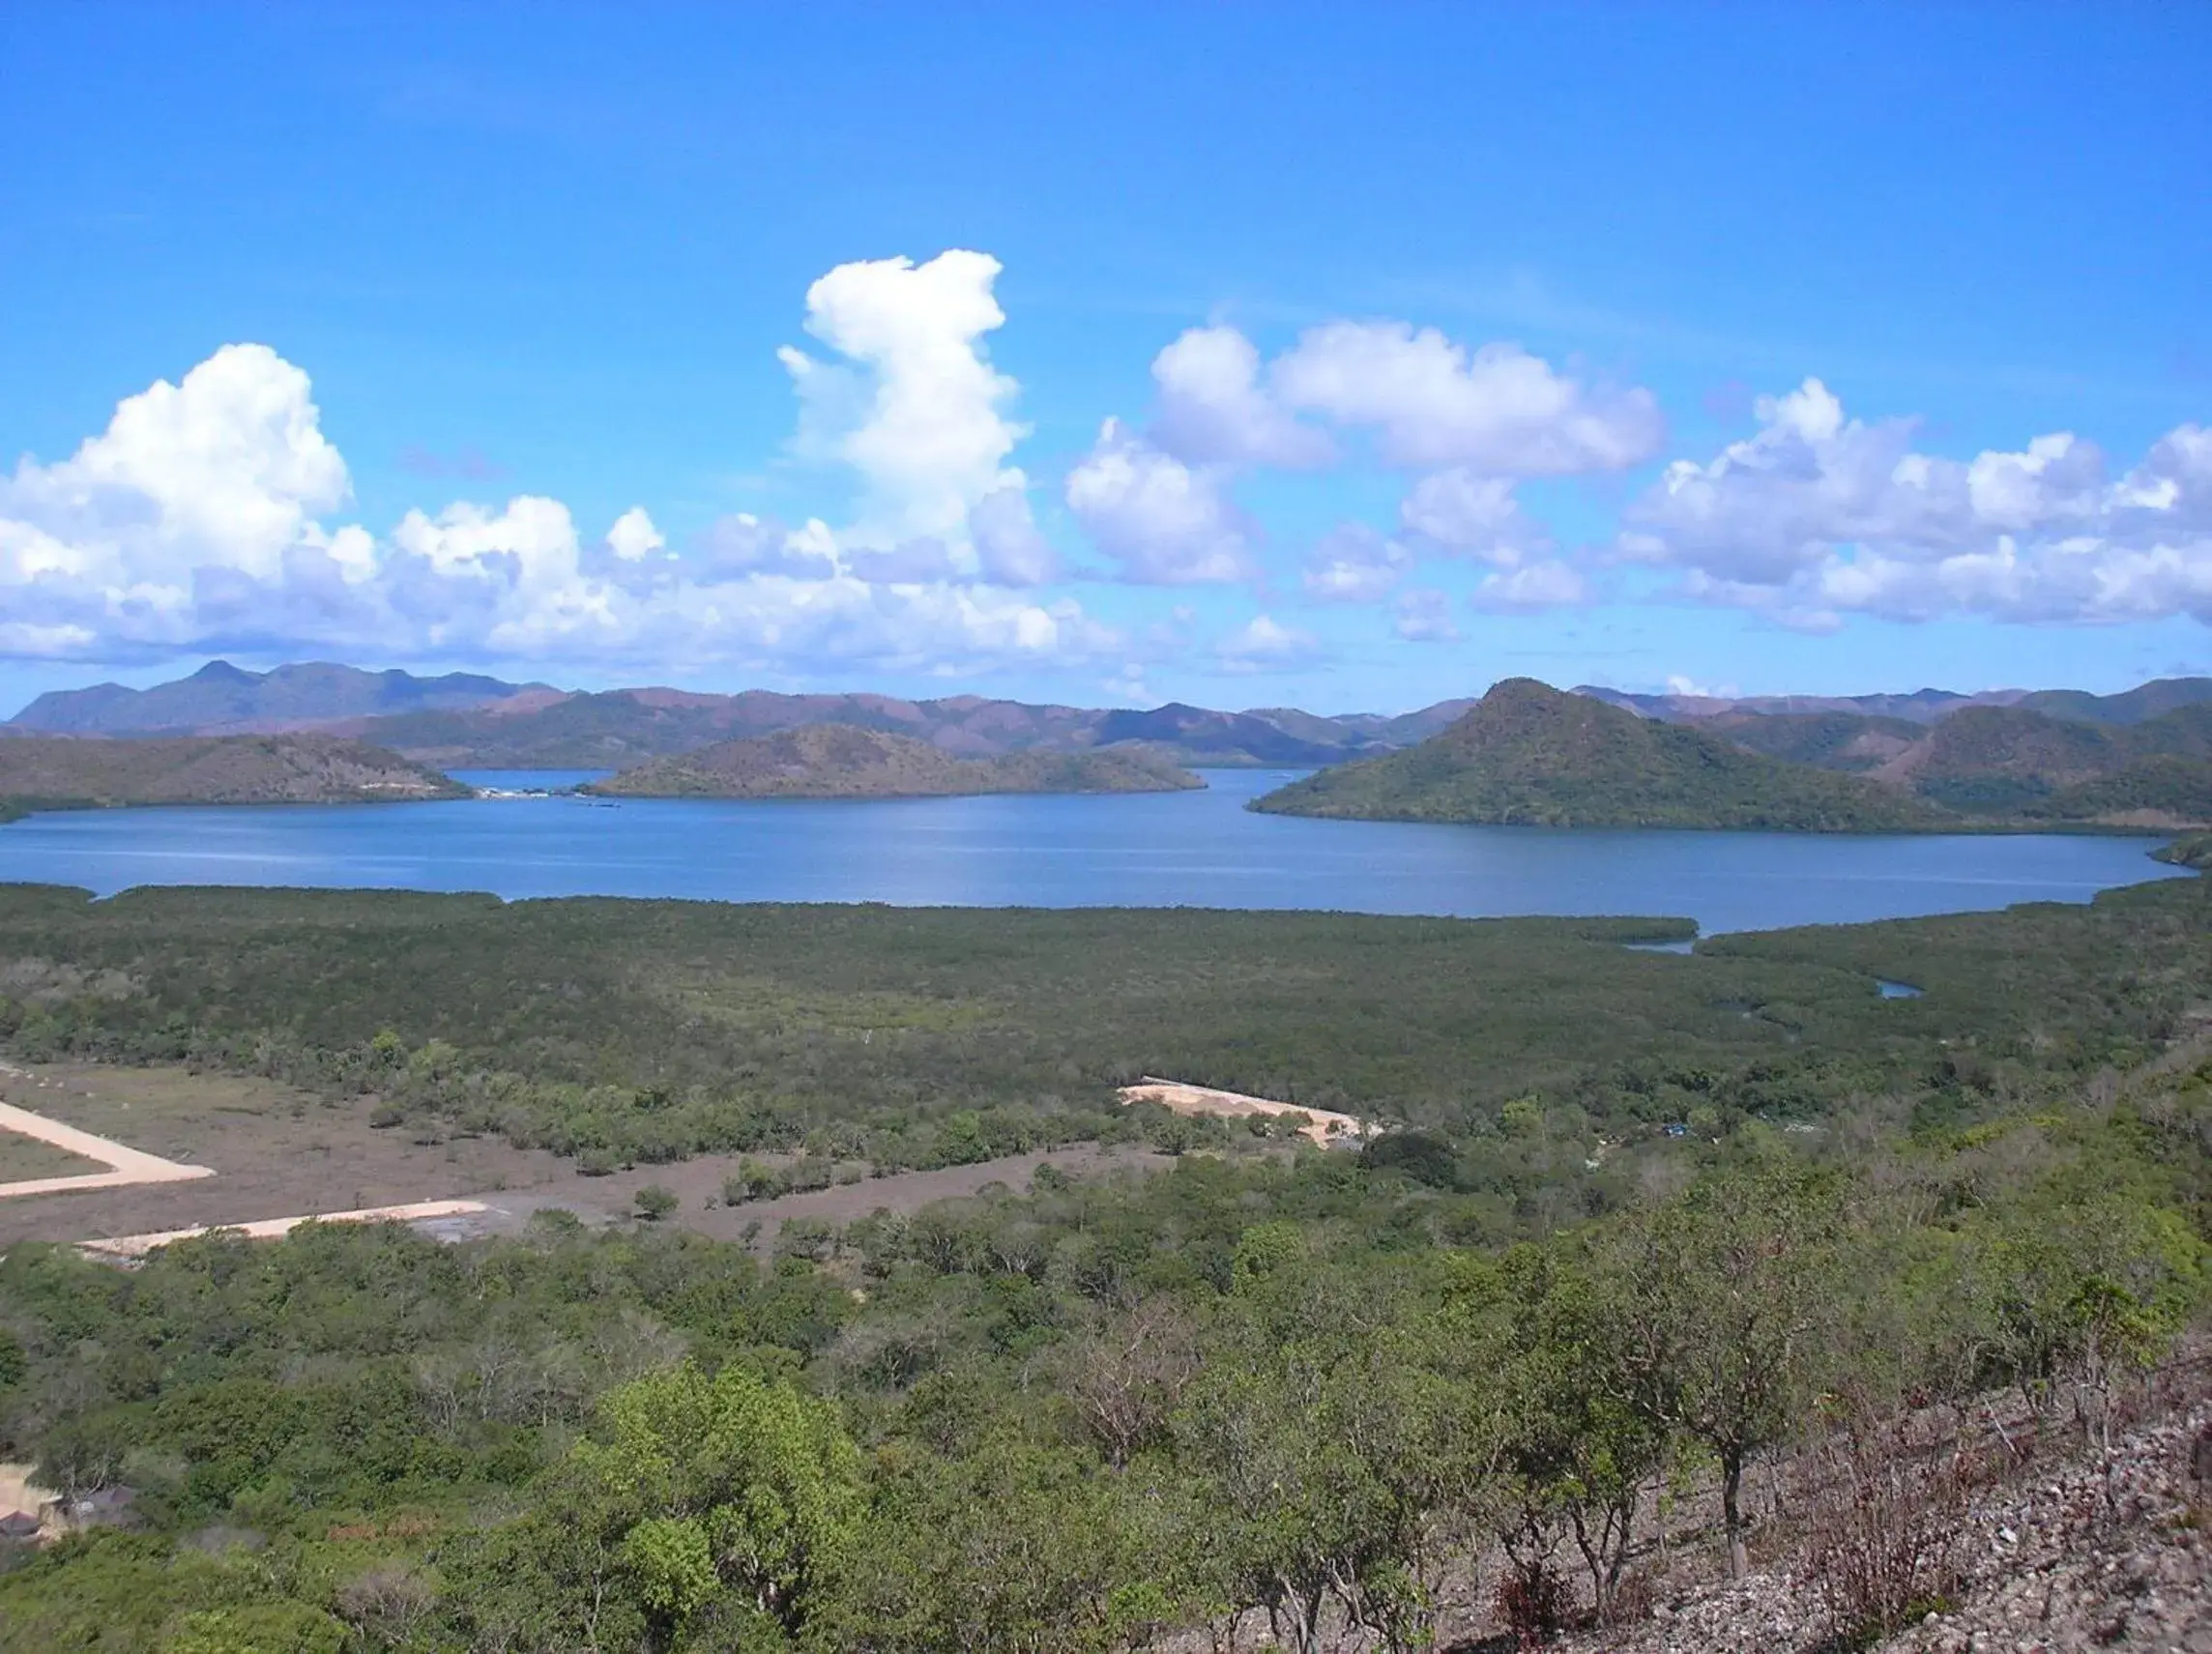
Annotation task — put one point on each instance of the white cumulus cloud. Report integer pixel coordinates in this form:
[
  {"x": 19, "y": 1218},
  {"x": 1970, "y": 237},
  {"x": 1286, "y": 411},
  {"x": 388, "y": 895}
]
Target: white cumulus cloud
[
  {"x": 915, "y": 407},
  {"x": 1496, "y": 410},
  {"x": 1213, "y": 411},
  {"x": 1461, "y": 514},
  {"x": 1353, "y": 564},
  {"x": 1818, "y": 515},
  {"x": 1422, "y": 614},
  {"x": 1165, "y": 522},
  {"x": 201, "y": 520},
  {"x": 1264, "y": 644}
]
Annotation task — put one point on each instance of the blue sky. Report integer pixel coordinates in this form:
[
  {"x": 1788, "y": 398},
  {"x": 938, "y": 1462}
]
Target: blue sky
[{"x": 1442, "y": 343}]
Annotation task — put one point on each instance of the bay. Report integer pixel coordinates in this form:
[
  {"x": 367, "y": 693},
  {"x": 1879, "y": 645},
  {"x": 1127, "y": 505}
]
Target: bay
[{"x": 1198, "y": 849}]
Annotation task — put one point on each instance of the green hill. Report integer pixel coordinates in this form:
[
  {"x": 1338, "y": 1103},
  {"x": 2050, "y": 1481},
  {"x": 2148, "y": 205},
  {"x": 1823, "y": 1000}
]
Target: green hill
[
  {"x": 838, "y": 761},
  {"x": 2014, "y": 761},
  {"x": 1529, "y": 755},
  {"x": 1849, "y": 741},
  {"x": 210, "y": 769}
]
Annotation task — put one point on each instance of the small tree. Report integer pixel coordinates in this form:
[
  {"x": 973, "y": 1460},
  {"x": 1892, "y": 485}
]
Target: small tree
[
  {"x": 1725, "y": 1290},
  {"x": 656, "y": 1202}
]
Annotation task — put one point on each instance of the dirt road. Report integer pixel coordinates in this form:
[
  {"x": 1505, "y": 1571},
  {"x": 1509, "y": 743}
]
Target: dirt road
[{"x": 127, "y": 1167}]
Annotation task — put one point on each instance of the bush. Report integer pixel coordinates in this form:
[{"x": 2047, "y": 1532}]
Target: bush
[
  {"x": 1532, "y": 1601},
  {"x": 656, "y": 1202},
  {"x": 1886, "y": 1511}
]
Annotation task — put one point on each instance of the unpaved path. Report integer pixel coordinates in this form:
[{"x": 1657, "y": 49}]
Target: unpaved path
[
  {"x": 127, "y": 1167},
  {"x": 1326, "y": 1126},
  {"x": 135, "y": 1246}
]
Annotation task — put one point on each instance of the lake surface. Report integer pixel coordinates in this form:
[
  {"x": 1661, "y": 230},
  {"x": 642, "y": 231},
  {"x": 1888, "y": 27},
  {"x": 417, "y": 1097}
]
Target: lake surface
[{"x": 1144, "y": 850}]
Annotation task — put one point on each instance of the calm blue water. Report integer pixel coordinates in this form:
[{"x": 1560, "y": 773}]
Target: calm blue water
[{"x": 1152, "y": 850}]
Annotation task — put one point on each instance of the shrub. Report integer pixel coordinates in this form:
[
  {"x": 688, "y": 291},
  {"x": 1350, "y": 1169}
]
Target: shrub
[
  {"x": 1886, "y": 1517},
  {"x": 655, "y": 1202},
  {"x": 1532, "y": 1601}
]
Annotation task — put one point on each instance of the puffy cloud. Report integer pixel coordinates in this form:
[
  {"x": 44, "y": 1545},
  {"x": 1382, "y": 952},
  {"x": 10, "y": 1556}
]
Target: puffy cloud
[
  {"x": 742, "y": 543},
  {"x": 1547, "y": 585},
  {"x": 1213, "y": 410},
  {"x": 1818, "y": 515},
  {"x": 1165, "y": 522},
  {"x": 915, "y": 408},
  {"x": 196, "y": 522},
  {"x": 1460, "y": 513},
  {"x": 634, "y": 538},
  {"x": 1009, "y": 551},
  {"x": 1353, "y": 564},
  {"x": 227, "y": 469},
  {"x": 1263, "y": 644},
  {"x": 1497, "y": 410},
  {"x": 1424, "y": 614}
]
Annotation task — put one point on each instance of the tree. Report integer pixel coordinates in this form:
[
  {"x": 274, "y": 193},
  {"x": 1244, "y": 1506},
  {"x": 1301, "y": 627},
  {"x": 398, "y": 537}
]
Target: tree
[
  {"x": 1724, "y": 1292},
  {"x": 656, "y": 1202},
  {"x": 1578, "y": 1444},
  {"x": 712, "y": 1508}
]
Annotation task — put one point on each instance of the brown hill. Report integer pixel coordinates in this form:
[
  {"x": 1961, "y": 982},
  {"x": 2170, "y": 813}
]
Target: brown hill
[
  {"x": 212, "y": 769},
  {"x": 838, "y": 761}
]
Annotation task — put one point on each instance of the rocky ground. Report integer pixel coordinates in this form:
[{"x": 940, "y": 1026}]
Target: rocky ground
[{"x": 2064, "y": 1560}]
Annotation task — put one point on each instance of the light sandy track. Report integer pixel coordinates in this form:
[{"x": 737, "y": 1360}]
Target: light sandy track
[
  {"x": 126, "y": 1166},
  {"x": 133, "y": 1246},
  {"x": 1326, "y": 1125}
]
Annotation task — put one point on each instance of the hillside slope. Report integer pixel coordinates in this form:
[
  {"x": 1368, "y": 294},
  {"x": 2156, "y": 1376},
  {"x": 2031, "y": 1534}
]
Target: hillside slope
[
  {"x": 623, "y": 726},
  {"x": 2010, "y": 762},
  {"x": 836, "y": 761},
  {"x": 1531, "y": 755},
  {"x": 212, "y": 769}
]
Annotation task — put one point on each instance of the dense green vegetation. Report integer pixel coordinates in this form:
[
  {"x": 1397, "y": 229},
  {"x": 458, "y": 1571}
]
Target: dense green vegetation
[
  {"x": 1652, "y": 1221},
  {"x": 1068, "y": 1419},
  {"x": 649, "y": 1030},
  {"x": 49, "y": 772},
  {"x": 836, "y": 761},
  {"x": 2191, "y": 850},
  {"x": 1529, "y": 755},
  {"x": 2015, "y": 761}
]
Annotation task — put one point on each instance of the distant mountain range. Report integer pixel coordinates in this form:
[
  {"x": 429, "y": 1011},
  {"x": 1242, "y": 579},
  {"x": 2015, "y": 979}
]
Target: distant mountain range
[
  {"x": 1925, "y": 706},
  {"x": 462, "y": 721},
  {"x": 221, "y": 699},
  {"x": 838, "y": 761},
  {"x": 467, "y": 722}
]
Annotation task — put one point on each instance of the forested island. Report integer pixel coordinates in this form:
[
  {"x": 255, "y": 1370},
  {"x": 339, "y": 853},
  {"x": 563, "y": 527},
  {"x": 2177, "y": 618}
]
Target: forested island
[
  {"x": 1529, "y": 755},
  {"x": 60, "y": 771},
  {"x": 838, "y": 761}
]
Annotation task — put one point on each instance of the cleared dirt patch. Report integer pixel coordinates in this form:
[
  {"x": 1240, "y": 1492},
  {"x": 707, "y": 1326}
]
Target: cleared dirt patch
[
  {"x": 113, "y": 1165},
  {"x": 275, "y": 1154},
  {"x": 279, "y": 1153},
  {"x": 1325, "y": 1127},
  {"x": 696, "y": 1182}
]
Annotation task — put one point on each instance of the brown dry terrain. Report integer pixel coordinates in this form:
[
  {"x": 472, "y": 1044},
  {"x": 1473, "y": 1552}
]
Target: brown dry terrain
[
  {"x": 219, "y": 770},
  {"x": 1326, "y": 1126},
  {"x": 281, "y": 1153},
  {"x": 25, "y": 1157}
]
